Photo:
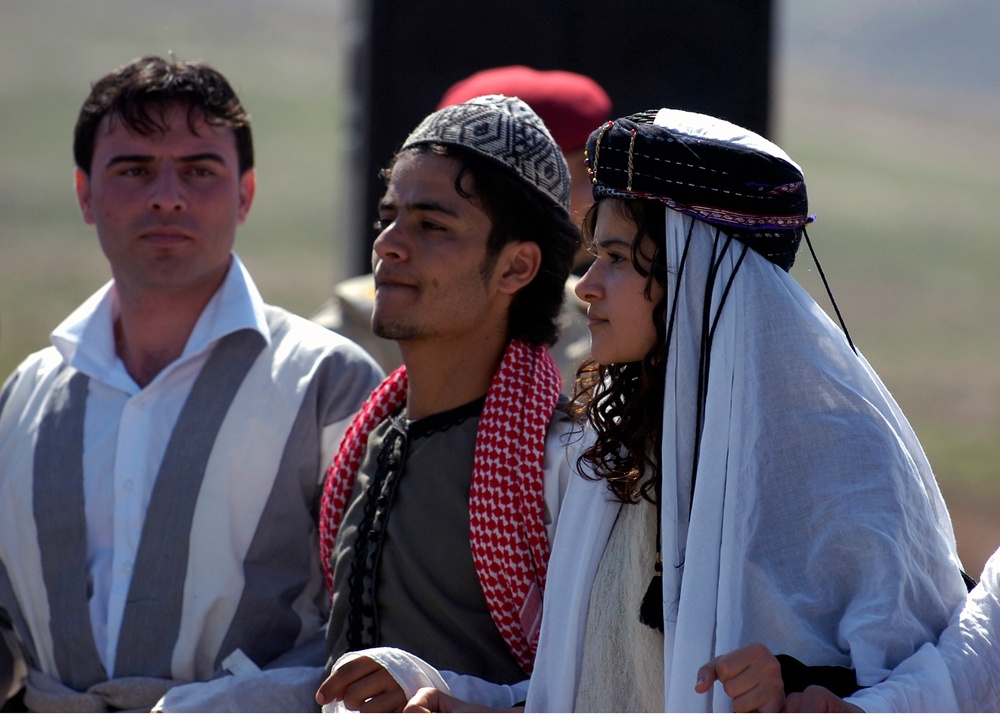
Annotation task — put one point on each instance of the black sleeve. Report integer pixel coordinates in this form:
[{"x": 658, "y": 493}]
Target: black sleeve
[
  {"x": 6, "y": 661},
  {"x": 797, "y": 676}
]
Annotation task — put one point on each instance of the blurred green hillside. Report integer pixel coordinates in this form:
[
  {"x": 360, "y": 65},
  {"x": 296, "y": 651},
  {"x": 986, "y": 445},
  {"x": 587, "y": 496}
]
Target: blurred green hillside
[
  {"x": 283, "y": 61},
  {"x": 892, "y": 108}
]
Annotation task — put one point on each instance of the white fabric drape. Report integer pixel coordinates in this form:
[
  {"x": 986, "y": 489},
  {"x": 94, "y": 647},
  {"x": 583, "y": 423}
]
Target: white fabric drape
[
  {"x": 961, "y": 672},
  {"x": 816, "y": 526}
]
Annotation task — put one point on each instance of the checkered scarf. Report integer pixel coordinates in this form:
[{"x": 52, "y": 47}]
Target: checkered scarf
[{"x": 506, "y": 501}]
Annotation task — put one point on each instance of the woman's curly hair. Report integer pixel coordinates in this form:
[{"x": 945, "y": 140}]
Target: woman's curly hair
[{"x": 624, "y": 402}]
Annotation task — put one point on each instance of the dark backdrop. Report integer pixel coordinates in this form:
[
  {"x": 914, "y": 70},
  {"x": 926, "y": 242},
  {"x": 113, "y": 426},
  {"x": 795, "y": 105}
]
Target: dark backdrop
[{"x": 711, "y": 56}]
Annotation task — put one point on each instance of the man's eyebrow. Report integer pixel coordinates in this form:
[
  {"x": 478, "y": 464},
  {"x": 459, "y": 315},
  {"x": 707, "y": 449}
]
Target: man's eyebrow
[
  {"x": 204, "y": 156},
  {"x": 432, "y": 206},
  {"x": 129, "y": 159},
  {"x": 146, "y": 158},
  {"x": 427, "y": 206}
]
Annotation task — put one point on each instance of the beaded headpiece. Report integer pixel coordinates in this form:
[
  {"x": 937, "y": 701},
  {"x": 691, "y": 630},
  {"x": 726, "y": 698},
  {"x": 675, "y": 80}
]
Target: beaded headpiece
[
  {"x": 708, "y": 168},
  {"x": 504, "y": 130}
]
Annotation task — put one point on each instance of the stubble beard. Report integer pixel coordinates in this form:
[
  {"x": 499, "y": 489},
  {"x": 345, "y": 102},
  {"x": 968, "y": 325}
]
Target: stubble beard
[{"x": 393, "y": 329}]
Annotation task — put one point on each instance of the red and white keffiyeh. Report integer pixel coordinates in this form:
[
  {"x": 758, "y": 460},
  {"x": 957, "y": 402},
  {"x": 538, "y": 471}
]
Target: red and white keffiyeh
[{"x": 506, "y": 502}]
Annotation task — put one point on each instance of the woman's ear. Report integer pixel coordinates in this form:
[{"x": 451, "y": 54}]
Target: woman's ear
[{"x": 518, "y": 265}]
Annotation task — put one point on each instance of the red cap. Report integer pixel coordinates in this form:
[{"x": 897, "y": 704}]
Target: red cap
[{"x": 570, "y": 104}]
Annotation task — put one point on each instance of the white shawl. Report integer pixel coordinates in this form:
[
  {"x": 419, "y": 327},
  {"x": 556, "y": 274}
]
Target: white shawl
[
  {"x": 817, "y": 526},
  {"x": 961, "y": 672}
]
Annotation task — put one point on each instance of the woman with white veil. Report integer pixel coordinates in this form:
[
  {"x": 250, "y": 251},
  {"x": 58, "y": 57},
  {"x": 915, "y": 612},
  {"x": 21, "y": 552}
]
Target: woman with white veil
[{"x": 781, "y": 498}]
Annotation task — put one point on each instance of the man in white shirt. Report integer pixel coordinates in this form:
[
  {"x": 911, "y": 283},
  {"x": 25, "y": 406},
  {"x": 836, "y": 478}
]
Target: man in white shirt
[{"x": 161, "y": 464}]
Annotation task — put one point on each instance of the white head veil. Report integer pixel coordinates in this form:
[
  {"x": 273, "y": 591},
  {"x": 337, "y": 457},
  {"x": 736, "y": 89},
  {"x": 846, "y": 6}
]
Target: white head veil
[{"x": 816, "y": 525}]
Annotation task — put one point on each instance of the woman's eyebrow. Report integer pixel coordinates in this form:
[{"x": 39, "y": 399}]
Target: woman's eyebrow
[{"x": 613, "y": 242}]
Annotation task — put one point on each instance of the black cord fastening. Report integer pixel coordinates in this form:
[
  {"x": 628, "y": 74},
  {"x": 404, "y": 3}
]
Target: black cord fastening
[{"x": 829, "y": 292}]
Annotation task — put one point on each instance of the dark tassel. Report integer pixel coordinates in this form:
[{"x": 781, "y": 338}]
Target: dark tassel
[{"x": 651, "y": 609}]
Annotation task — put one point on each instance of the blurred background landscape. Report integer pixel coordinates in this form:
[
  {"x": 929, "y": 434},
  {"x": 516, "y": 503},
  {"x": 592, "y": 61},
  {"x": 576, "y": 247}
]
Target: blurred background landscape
[{"x": 891, "y": 107}]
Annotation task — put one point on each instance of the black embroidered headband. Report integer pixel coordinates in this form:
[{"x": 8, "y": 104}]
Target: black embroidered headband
[{"x": 708, "y": 168}]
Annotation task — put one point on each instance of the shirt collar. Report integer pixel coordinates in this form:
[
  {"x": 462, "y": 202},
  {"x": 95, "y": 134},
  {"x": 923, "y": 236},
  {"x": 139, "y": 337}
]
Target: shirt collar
[{"x": 86, "y": 338}]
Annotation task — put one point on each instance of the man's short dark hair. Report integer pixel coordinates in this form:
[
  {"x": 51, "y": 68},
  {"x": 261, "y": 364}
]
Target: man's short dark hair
[
  {"x": 518, "y": 213},
  {"x": 138, "y": 94}
]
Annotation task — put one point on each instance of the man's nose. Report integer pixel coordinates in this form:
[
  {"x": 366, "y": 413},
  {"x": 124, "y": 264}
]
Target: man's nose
[
  {"x": 168, "y": 194},
  {"x": 390, "y": 244}
]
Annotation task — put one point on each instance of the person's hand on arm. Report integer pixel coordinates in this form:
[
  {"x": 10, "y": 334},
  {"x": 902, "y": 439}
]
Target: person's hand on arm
[
  {"x": 750, "y": 675},
  {"x": 363, "y": 685},
  {"x": 818, "y": 699}
]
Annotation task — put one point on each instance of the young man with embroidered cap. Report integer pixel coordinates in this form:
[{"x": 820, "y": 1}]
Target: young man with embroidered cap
[
  {"x": 748, "y": 479},
  {"x": 162, "y": 463},
  {"x": 441, "y": 503},
  {"x": 570, "y": 105}
]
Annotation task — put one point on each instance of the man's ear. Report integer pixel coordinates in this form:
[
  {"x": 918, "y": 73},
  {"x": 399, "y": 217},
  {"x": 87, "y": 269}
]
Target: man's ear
[
  {"x": 518, "y": 265},
  {"x": 81, "y": 182},
  {"x": 248, "y": 186}
]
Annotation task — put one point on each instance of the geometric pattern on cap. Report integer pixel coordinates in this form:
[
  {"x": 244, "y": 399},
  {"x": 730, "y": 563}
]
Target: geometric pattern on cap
[{"x": 506, "y": 131}]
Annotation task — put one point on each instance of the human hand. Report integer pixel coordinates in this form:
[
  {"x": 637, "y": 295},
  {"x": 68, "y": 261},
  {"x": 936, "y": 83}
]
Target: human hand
[
  {"x": 429, "y": 699},
  {"x": 750, "y": 675},
  {"x": 817, "y": 699},
  {"x": 364, "y": 686}
]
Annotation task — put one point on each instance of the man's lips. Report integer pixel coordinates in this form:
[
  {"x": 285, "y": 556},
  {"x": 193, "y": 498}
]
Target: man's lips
[
  {"x": 164, "y": 236},
  {"x": 391, "y": 282}
]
